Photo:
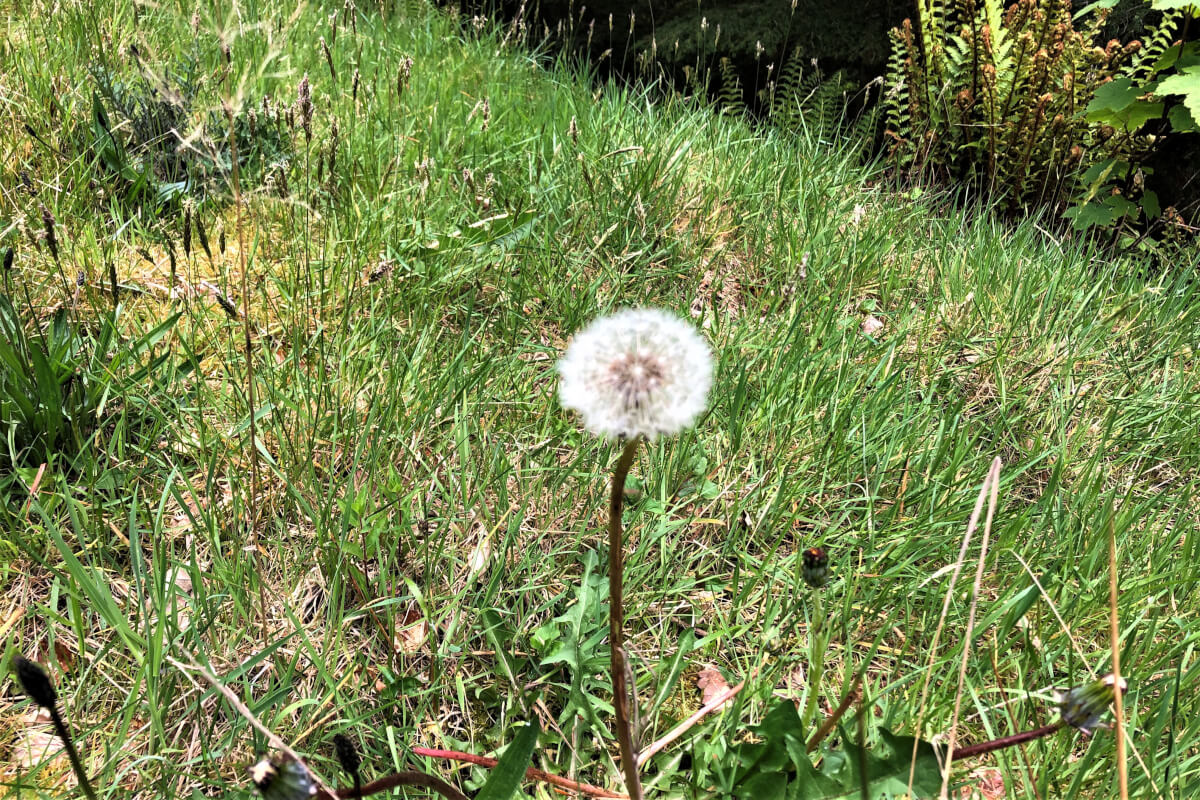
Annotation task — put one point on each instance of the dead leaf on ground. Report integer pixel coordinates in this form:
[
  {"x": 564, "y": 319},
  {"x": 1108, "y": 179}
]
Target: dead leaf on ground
[
  {"x": 871, "y": 325},
  {"x": 711, "y": 683},
  {"x": 985, "y": 784},
  {"x": 412, "y": 631},
  {"x": 36, "y": 743}
]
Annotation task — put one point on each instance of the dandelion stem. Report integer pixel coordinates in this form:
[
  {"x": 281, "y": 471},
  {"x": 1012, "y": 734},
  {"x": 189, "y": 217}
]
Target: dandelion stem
[
  {"x": 616, "y": 618},
  {"x": 1006, "y": 741},
  {"x": 61, "y": 729}
]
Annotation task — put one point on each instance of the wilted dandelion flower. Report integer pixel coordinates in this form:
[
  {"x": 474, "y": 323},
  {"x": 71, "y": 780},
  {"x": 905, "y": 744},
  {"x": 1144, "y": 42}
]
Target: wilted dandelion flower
[
  {"x": 1083, "y": 706},
  {"x": 637, "y": 372}
]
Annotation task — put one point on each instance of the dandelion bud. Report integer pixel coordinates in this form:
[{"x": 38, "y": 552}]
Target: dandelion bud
[
  {"x": 815, "y": 567},
  {"x": 1083, "y": 707},
  {"x": 35, "y": 681},
  {"x": 9, "y": 255}
]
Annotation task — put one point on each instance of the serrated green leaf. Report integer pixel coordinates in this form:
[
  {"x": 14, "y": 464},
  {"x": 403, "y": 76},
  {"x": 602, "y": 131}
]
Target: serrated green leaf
[{"x": 777, "y": 765}]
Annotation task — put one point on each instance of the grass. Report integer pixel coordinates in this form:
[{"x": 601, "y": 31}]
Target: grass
[{"x": 417, "y": 525}]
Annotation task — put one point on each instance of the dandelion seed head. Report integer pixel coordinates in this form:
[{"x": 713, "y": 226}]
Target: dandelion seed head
[{"x": 636, "y": 372}]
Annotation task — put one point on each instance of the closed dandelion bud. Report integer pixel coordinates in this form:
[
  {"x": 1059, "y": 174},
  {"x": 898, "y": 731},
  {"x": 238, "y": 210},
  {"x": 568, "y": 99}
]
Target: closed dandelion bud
[
  {"x": 815, "y": 567},
  {"x": 35, "y": 682},
  {"x": 1083, "y": 706}
]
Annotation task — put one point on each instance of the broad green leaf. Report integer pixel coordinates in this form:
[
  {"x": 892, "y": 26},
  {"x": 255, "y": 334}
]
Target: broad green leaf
[
  {"x": 1187, "y": 6},
  {"x": 1182, "y": 120},
  {"x": 1186, "y": 84},
  {"x": 505, "y": 779}
]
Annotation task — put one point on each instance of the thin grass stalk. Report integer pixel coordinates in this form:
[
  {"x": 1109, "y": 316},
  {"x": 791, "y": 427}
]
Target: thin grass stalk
[
  {"x": 616, "y": 621},
  {"x": 253, "y": 505},
  {"x": 937, "y": 633},
  {"x": 991, "y": 484},
  {"x": 1115, "y": 634}
]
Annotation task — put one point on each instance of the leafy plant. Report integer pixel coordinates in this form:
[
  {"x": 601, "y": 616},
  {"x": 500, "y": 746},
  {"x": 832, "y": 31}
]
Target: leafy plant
[
  {"x": 995, "y": 97},
  {"x": 55, "y": 383},
  {"x": 1113, "y": 188},
  {"x": 777, "y": 766}
]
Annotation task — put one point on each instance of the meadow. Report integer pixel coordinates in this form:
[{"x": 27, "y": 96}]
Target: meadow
[{"x": 299, "y": 277}]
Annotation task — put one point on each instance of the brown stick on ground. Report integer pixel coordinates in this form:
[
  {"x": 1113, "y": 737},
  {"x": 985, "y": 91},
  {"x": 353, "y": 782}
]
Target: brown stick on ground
[{"x": 532, "y": 773}]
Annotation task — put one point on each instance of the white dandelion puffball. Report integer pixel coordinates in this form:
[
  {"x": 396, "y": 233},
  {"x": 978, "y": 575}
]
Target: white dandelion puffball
[{"x": 640, "y": 371}]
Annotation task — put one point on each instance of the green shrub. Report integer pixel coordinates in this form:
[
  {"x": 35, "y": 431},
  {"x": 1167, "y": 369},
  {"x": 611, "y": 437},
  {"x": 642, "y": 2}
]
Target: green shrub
[{"x": 1019, "y": 102}]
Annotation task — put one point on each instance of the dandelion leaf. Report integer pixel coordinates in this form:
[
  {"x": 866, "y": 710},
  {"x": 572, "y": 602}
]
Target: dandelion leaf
[{"x": 775, "y": 765}]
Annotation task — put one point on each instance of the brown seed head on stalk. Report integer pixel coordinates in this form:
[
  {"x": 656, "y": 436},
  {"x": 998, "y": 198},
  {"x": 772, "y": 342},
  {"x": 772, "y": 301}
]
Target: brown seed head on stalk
[
  {"x": 48, "y": 222},
  {"x": 304, "y": 105}
]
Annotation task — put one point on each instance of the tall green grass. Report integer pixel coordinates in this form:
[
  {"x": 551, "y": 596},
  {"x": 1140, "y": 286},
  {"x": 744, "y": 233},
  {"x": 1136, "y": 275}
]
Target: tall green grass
[{"x": 424, "y": 511}]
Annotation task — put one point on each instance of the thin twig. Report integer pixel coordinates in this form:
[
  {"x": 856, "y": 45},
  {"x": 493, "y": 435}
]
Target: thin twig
[
  {"x": 720, "y": 699},
  {"x": 616, "y": 621},
  {"x": 533, "y": 773}
]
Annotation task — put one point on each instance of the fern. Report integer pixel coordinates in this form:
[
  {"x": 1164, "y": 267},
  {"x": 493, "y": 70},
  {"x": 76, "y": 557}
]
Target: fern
[
  {"x": 994, "y": 96},
  {"x": 731, "y": 95},
  {"x": 1159, "y": 39}
]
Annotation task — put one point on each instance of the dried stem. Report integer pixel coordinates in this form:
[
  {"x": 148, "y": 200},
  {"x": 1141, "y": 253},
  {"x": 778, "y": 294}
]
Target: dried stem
[
  {"x": 719, "y": 700},
  {"x": 616, "y": 617},
  {"x": 532, "y": 773},
  {"x": 1115, "y": 635},
  {"x": 828, "y": 725},
  {"x": 991, "y": 485}
]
